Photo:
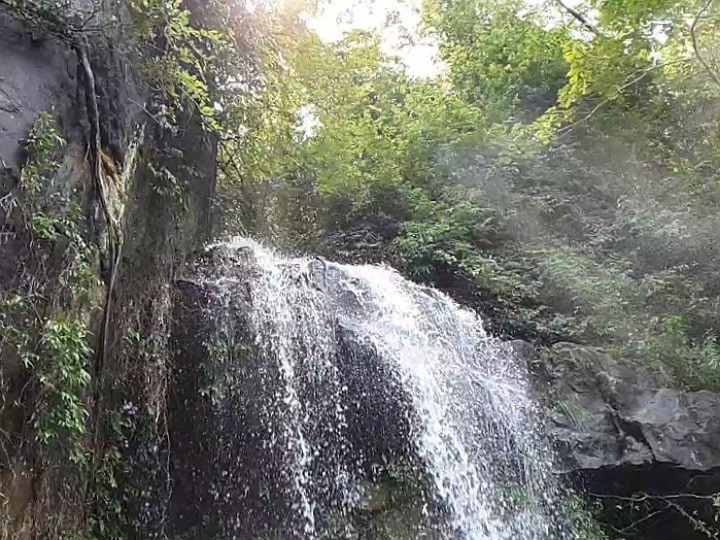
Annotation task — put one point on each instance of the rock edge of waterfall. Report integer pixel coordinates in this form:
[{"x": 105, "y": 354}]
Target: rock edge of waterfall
[
  {"x": 363, "y": 405},
  {"x": 621, "y": 436},
  {"x": 624, "y": 436}
]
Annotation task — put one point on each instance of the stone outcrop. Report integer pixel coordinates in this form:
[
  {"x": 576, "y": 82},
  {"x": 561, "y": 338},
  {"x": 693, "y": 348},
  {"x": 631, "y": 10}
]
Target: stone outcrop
[
  {"x": 35, "y": 76},
  {"x": 229, "y": 477},
  {"x": 612, "y": 415},
  {"x": 39, "y": 74},
  {"x": 622, "y": 434}
]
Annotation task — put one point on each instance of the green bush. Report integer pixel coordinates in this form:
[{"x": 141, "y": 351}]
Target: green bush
[
  {"x": 670, "y": 350},
  {"x": 584, "y": 519}
]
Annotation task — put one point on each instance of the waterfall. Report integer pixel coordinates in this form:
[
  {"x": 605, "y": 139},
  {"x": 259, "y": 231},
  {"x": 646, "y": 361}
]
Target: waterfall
[{"x": 348, "y": 370}]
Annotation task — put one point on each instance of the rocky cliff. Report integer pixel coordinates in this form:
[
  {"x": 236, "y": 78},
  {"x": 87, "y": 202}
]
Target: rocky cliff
[
  {"x": 649, "y": 453},
  {"x": 100, "y": 204}
]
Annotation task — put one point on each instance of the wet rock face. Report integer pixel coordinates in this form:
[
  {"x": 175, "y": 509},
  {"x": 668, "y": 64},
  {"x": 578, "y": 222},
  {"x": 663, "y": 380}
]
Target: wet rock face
[
  {"x": 38, "y": 75},
  {"x": 623, "y": 435},
  {"x": 228, "y": 474},
  {"x": 35, "y": 76},
  {"x": 609, "y": 414}
]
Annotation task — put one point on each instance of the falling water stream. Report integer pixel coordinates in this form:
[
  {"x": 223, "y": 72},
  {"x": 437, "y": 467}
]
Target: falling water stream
[{"x": 463, "y": 395}]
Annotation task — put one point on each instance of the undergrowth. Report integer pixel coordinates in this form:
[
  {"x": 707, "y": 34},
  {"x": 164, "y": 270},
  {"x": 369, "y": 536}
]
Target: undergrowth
[{"x": 45, "y": 317}]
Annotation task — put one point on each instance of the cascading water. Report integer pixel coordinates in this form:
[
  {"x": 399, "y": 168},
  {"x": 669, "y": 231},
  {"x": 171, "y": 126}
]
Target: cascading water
[{"x": 348, "y": 359}]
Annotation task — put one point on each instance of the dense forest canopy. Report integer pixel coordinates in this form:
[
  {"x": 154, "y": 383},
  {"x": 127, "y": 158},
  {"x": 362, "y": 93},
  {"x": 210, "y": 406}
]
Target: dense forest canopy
[{"x": 560, "y": 170}]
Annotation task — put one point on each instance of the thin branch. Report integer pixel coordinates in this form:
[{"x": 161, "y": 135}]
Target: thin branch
[
  {"x": 145, "y": 109},
  {"x": 697, "y": 524},
  {"x": 670, "y": 503},
  {"x": 647, "y": 497},
  {"x": 578, "y": 17},
  {"x": 696, "y": 48},
  {"x": 92, "y": 14},
  {"x": 643, "y": 519},
  {"x": 620, "y": 89}
]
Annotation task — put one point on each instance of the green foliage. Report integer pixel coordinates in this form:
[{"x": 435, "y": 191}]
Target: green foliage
[
  {"x": 43, "y": 144},
  {"x": 575, "y": 413},
  {"x": 677, "y": 356},
  {"x": 54, "y": 215},
  {"x": 44, "y": 314},
  {"x": 500, "y": 56},
  {"x": 61, "y": 368},
  {"x": 584, "y": 519},
  {"x": 563, "y": 179},
  {"x": 453, "y": 237},
  {"x": 178, "y": 71},
  {"x": 53, "y": 349},
  {"x": 462, "y": 238},
  {"x": 345, "y": 120}
]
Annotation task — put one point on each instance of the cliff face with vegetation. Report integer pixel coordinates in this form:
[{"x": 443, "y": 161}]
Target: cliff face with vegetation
[
  {"x": 560, "y": 176},
  {"x": 106, "y": 190}
]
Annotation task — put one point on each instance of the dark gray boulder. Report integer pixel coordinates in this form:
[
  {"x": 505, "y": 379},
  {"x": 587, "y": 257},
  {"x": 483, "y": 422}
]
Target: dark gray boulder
[
  {"x": 608, "y": 413},
  {"x": 633, "y": 443},
  {"x": 230, "y": 475},
  {"x": 34, "y": 77}
]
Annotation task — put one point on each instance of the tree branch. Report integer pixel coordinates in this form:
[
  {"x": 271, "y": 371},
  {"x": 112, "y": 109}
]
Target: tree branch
[
  {"x": 115, "y": 237},
  {"x": 620, "y": 89},
  {"x": 696, "y": 47},
  {"x": 647, "y": 497},
  {"x": 697, "y": 524},
  {"x": 642, "y": 520},
  {"x": 670, "y": 504},
  {"x": 578, "y": 17}
]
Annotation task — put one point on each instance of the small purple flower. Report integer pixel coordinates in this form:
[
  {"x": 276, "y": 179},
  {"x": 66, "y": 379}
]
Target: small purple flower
[{"x": 130, "y": 409}]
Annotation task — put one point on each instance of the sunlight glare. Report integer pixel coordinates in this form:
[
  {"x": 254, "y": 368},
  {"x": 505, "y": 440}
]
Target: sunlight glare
[{"x": 397, "y": 21}]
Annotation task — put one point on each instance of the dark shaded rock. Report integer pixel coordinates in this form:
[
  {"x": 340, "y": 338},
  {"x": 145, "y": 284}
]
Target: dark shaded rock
[
  {"x": 380, "y": 420},
  {"x": 644, "y": 450},
  {"x": 34, "y": 77},
  {"x": 38, "y": 74},
  {"x": 523, "y": 349},
  {"x": 218, "y": 458},
  {"x": 229, "y": 461},
  {"x": 609, "y": 414}
]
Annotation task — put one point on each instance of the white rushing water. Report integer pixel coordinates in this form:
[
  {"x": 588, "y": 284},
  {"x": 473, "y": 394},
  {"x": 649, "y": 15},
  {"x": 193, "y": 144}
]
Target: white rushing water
[{"x": 467, "y": 398}]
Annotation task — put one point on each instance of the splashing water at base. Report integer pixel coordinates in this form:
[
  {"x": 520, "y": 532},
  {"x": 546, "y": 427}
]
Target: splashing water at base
[{"x": 465, "y": 394}]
